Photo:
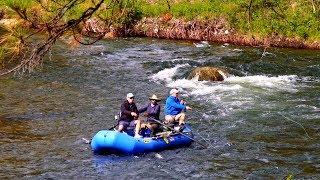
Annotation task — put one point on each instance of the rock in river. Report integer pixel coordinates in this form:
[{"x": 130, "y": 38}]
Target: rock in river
[{"x": 208, "y": 74}]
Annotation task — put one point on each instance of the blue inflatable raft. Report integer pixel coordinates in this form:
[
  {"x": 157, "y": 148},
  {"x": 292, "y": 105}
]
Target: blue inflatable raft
[{"x": 114, "y": 142}]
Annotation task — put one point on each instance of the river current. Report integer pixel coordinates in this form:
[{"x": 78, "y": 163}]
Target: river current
[{"x": 261, "y": 122}]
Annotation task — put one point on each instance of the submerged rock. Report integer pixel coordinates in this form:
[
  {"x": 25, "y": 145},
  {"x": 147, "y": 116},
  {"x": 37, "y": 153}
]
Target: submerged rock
[{"x": 208, "y": 74}]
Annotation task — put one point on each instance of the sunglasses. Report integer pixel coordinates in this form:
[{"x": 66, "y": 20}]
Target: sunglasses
[{"x": 131, "y": 97}]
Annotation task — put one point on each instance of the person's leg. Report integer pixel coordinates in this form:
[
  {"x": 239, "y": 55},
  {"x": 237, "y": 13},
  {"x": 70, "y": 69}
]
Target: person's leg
[
  {"x": 169, "y": 119},
  {"x": 123, "y": 126},
  {"x": 138, "y": 126},
  {"x": 180, "y": 118},
  {"x": 120, "y": 128},
  {"x": 154, "y": 128}
]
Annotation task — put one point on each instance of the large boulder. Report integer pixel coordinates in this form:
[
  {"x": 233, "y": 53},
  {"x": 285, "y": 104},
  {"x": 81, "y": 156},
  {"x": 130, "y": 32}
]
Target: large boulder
[{"x": 208, "y": 74}]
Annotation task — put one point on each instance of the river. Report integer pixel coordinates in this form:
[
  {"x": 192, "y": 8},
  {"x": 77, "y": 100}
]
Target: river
[{"x": 261, "y": 122}]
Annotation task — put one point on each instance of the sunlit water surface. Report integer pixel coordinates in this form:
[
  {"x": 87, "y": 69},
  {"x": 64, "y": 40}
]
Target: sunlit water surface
[{"x": 262, "y": 121}]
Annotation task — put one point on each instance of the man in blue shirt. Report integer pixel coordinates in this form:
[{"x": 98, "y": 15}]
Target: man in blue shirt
[{"x": 174, "y": 109}]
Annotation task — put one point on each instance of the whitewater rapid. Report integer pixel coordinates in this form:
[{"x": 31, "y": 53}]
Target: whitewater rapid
[{"x": 234, "y": 93}]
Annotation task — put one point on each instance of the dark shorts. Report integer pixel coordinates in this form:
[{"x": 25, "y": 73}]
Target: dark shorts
[{"x": 127, "y": 124}]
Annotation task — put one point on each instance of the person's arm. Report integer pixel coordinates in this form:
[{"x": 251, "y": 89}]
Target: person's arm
[
  {"x": 175, "y": 104},
  {"x": 135, "y": 109},
  {"x": 184, "y": 103},
  {"x": 157, "y": 110},
  {"x": 143, "y": 109}
]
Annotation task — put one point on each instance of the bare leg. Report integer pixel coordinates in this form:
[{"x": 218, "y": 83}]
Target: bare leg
[
  {"x": 181, "y": 117},
  {"x": 120, "y": 128},
  {"x": 169, "y": 119},
  {"x": 138, "y": 126}
]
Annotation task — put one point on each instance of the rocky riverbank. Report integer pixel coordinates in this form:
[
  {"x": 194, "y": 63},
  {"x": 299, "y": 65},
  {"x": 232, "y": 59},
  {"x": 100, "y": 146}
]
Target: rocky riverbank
[
  {"x": 167, "y": 27},
  {"x": 216, "y": 30}
]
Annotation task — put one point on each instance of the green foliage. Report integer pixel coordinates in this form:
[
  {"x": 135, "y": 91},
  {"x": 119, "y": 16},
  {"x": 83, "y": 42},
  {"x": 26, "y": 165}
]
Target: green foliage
[
  {"x": 23, "y": 4},
  {"x": 128, "y": 12},
  {"x": 152, "y": 10},
  {"x": 268, "y": 17},
  {"x": 53, "y": 18},
  {"x": 262, "y": 17},
  {"x": 10, "y": 43}
]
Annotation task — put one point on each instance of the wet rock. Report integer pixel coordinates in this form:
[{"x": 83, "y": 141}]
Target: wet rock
[{"x": 208, "y": 74}]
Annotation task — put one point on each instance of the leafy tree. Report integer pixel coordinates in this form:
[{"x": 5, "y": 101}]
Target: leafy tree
[{"x": 51, "y": 19}]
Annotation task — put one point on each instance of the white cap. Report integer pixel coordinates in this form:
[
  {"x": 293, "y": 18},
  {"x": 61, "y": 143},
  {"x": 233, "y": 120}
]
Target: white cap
[
  {"x": 173, "y": 91},
  {"x": 130, "y": 95}
]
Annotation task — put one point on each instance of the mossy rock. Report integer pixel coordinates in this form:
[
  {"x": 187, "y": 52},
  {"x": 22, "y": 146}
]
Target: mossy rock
[{"x": 208, "y": 74}]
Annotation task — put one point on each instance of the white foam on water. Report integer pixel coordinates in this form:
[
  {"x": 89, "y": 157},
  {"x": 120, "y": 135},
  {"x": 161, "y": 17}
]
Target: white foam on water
[
  {"x": 157, "y": 155},
  {"x": 225, "y": 45},
  {"x": 202, "y": 87},
  {"x": 265, "y": 53},
  {"x": 202, "y": 44},
  {"x": 233, "y": 94},
  {"x": 237, "y": 50},
  {"x": 167, "y": 74},
  {"x": 282, "y": 83}
]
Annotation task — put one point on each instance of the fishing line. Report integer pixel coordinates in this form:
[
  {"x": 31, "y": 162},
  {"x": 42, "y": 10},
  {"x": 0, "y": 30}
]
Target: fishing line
[
  {"x": 288, "y": 119},
  {"x": 207, "y": 142},
  {"x": 296, "y": 123}
]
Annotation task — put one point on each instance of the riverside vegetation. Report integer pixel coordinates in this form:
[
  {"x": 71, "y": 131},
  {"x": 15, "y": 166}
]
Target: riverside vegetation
[{"x": 279, "y": 23}]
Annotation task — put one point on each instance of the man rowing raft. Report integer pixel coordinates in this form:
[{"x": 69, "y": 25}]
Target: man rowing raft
[{"x": 129, "y": 116}]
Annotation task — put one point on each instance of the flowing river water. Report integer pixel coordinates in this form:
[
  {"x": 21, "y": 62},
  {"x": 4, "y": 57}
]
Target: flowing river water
[{"x": 261, "y": 122}]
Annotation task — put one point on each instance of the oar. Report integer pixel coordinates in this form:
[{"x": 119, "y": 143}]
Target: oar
[
  {"x": 178, "y": 132},
  {"x": 116, "y": 117},
  {"x": 113, "y": 126}
]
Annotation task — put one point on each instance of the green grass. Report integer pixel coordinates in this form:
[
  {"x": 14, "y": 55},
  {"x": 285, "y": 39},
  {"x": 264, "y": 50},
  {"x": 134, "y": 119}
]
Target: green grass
[
  {"x": 269, "y": 17},
  {"x": 280, "y": 17},
  {"x": 24, "y": 4}
]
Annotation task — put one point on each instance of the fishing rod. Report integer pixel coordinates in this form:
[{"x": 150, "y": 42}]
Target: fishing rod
[{"x": 205, "y": 146}]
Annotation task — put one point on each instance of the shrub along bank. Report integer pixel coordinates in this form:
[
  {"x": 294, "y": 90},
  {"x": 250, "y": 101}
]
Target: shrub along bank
[{"x": 260, "y": 18}]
